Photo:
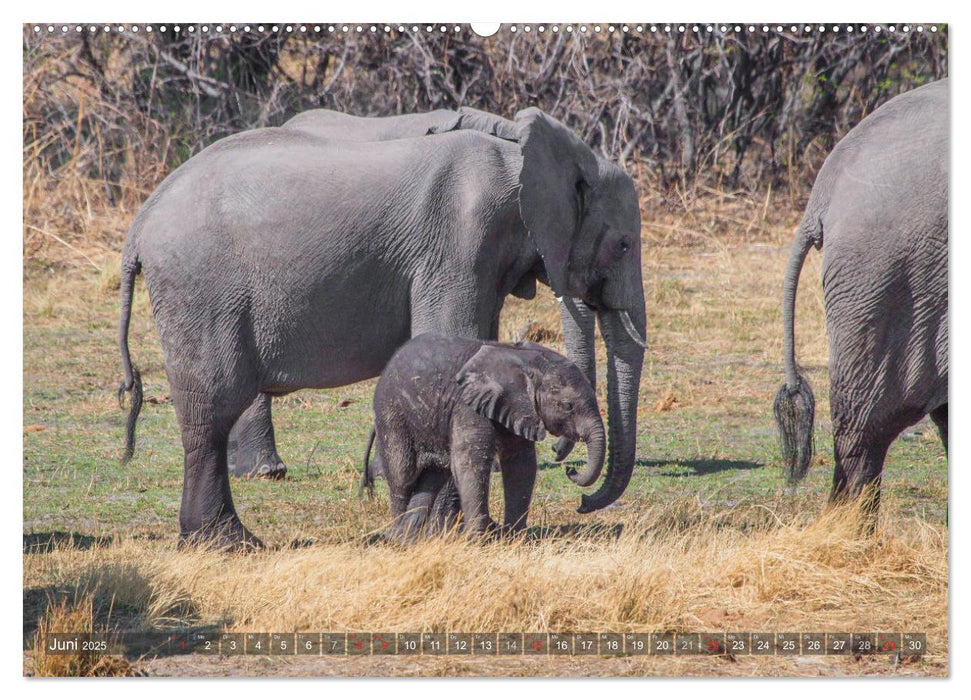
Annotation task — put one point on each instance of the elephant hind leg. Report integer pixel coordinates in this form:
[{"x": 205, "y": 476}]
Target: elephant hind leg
[
  {"x": 859, "y": 466},
  {"x": 939, "y": 416},
  {"x": 411, "y": 524},
  {"x": 207, "y": 514},
  {"x": 401, "y": 471},
  {"x": 445, "y": 510},
  {"x": 252, "y": 443}
]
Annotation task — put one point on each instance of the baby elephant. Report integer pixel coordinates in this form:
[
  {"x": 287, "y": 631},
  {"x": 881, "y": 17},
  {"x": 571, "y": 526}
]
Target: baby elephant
[{"x": 448, "y": 406}]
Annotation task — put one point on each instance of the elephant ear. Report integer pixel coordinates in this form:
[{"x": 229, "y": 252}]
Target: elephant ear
[
  {"x": 491, "y": 124},
  {"x": 451, "y": 122},
  {"x": 558, "y": 174},
  {"x": 495, "y": 383},
  {"x": 470, "y": 119}
]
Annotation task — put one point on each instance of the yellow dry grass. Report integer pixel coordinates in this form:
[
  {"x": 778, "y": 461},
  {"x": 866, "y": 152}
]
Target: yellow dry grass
[
  {"x": 75, "y": 617},
  {"x": 677, "y": 567}
]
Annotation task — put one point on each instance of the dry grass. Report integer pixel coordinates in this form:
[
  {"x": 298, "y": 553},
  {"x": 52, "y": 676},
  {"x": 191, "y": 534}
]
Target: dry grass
[
  {"x": 677, "y": 567},
  {"x": 73, "y": 616}
]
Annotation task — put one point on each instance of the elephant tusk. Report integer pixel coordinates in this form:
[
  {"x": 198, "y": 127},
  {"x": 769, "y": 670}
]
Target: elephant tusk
[{"x": 631, "y": 331}]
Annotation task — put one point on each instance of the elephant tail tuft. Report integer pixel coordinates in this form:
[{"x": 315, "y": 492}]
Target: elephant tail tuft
[
  {"x": 795, "y": 412},
  {"x": 134, "y": 409},
  {"x": 367, "y": 477}
]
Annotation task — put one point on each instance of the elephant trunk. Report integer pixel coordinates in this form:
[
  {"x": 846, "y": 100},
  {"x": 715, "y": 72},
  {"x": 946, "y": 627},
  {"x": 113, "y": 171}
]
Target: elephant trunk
[
  {"x": 596, "y": 441},
  {"x": 625, "y": 359},
  {"x": 579, "y": 322}
]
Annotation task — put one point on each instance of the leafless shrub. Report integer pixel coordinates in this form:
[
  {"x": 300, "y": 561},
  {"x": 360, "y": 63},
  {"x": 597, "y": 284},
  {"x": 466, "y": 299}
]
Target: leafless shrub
[{"x": 108, "y": 114}]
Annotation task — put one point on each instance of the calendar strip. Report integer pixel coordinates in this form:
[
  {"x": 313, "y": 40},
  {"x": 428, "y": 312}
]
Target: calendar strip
[{"x": 329, "y": 644}]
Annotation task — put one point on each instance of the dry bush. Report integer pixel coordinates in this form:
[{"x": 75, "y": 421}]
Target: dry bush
[{"x": 107, "y": 115}]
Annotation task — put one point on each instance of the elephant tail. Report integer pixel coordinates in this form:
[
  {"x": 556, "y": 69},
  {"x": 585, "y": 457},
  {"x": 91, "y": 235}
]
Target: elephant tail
[
  {"x": 795, "y": 406},
  {"x": 133, "y": 378},
  {"x": 367, "y": 478}
]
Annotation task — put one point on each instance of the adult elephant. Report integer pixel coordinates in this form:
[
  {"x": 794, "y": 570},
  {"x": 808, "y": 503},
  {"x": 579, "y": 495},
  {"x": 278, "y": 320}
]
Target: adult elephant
[
  {"x": 278, "y": 260},
  {"x": 878, "y": 209},
  {"x": 252, "y": 442}
]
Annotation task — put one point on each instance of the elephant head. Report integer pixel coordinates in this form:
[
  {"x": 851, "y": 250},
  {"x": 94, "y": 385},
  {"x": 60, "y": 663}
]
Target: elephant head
[
  {"x": 530, "y": 391},
  {"x": 583, "y": 216}
]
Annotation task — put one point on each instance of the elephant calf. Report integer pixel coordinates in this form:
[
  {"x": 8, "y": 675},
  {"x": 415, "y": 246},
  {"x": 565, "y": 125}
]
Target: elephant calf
[{"x": 454, "y": 404}]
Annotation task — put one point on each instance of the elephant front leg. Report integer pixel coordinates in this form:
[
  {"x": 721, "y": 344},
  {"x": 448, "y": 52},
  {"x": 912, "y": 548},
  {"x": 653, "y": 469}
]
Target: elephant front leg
[
  {"x": 518, "y": 463},
  {"x": 252, "y": 444},
  {"x": 472, "y": 455}
]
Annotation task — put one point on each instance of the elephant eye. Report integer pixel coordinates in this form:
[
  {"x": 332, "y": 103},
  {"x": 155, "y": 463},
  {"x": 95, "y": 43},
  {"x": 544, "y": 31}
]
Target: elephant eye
[
  {"x": 624, "y": 245},
  {"x": 566, "y": 406}
]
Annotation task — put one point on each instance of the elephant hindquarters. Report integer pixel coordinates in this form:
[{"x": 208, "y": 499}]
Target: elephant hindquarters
[
  {"x": 213, "y": 372},
  {"x": 883, "y": 364}
]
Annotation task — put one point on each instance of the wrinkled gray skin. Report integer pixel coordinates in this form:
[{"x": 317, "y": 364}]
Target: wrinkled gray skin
[
  {"x": 878, "y": 210},
  {"x": 346, "y": 127},
  {"x": 277, "y": 260},
  {"x": 453, "y": 405},
  {"x": 252, "y": 443}
]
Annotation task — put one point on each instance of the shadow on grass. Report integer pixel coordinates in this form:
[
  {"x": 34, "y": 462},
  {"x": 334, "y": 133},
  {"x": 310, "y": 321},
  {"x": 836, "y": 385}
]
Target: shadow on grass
[
  {"x": 698, "y": 467},
  {"x": 575, "y": 463},
  {"x": 585, "y": 531},
  {"x": 46, "y": 542},
  {"x": 126, "y": 631},
  {"x": 535, "y": 533}
]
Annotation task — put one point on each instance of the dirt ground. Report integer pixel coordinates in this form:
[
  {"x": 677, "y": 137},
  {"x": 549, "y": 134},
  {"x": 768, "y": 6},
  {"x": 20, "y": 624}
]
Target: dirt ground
[{"x": 197, "y": 666}]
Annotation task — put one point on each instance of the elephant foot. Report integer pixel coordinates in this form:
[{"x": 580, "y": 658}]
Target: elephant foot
[
  {"x": 400, "y": 534},
  {"x": 268, "y": 470},
  {"x": 229, "y": 535},
  {"x": 249, "y": 464}
]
